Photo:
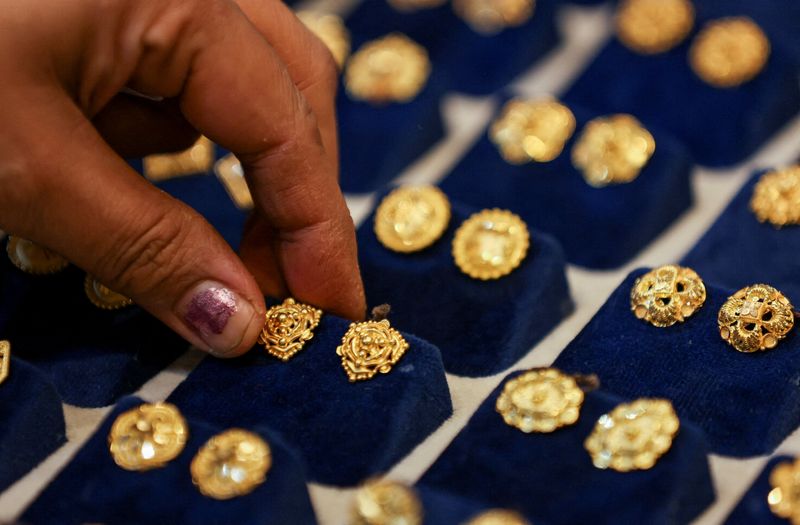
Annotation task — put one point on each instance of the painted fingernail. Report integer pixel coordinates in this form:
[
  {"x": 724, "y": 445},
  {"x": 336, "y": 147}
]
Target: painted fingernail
[{"x": 218, "y": 316}]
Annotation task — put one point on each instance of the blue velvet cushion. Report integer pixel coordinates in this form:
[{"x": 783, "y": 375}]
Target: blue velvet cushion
[
  {"x": 738, "y": 250},
  {"x": 481, "y": 327},
  {"x": 753, "y": 508},
  {"x": 550, "y": 477},
  {"x": 93, "y": 489},
  {"x": 32, "y": 421},
  {"x": 690, "y": 364},
  {"x": 443, "y": 508},
  {"x": 720, "y": 126},
  {"x": 598, "y": 227},
  {"x": 344, "y": 431}
]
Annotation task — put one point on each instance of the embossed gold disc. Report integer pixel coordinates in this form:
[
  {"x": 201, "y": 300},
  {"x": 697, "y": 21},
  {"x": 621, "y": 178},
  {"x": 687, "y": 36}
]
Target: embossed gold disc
[
  {"x": 384, "y": 502},
  {"x": 370, "y": 347},
  {"x": 5, "y": 360},
  {"x": 103, "y": 297},
  {"x": 288, "y": 327},
  {"x": 532, "y": 130},
  {"x": 229, "y": 172},
  {"x": 633, "y": 436},
  {"x": 197, "y": 159},
  {"x": 415, "y": 5},
  {"x": 232, "y": 463},
  {"x": 490, "y": 244},
  {"x": 411, "y": 218},
  {"x": 776, "y": 197},
  {"x": 331, "y": 30},
  {"x": 755, "y": 318},
  {"x": 498, "y": 517},
  {"x": 729, "y": 52},
  {"x": 148, "y": 436},
  {"x": 540, "y": 401},
  {"x": 667, "y": 295},
  {"x": 654, "y": 26},
  {"x": 784, "y": 498},
  {"x": 32, "y": 258},
  {"x": 492, "y": 16}
]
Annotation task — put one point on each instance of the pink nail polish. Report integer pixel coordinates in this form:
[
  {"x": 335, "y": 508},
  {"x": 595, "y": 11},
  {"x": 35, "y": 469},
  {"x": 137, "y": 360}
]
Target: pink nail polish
[{"x": 218, "y": 315}]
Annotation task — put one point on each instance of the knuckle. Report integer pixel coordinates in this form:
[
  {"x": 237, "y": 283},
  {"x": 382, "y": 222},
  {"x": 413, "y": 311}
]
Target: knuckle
[{"x": 22, "y": 191}]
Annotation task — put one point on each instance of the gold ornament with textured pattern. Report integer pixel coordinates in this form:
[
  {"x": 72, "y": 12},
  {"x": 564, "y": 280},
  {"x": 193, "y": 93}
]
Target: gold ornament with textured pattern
[
  {"x": 370, "y": 347},
  {"x": 667, "y": 295},
  {"x": 633, "y": 436},
  {"x": 612, "y": 150},
  {"x": 288, "y": 327},
  {"x": 784, "y": 498},
  {"x": 776, "y": 197},
  {"x": 729, "y": 52},
  {"x": 196, "y": 159},
  {"x": 102, "y": 296},
  {"x": 5, "y": 360},
  {"x": 653, "y": 26},
  {"x": 32, "y": 258},
  {"x": 540, "y": 401},
  {"x": 498, "y": 517},
  {"x": 755, "y": 318},
  {"x": 230, "y": 464},
  {"x": 492, "y": 16},
  {"x": 384, "y": 502},
  {"x": 148, "y": 436},
  {"x": 415, "y": 5},
  {"x": 411, "y": 218},
  {"x": 230, "y": 173},
  {"x": 490, "y": 244},
  {"x": 331, "y": 30},
  {"x": 532, "y": 130},
  {"x": 391, "y": 69}
]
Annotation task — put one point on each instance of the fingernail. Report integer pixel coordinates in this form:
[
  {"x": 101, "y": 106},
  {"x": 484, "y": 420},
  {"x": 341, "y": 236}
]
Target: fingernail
[{"x": 217, "y": 315}]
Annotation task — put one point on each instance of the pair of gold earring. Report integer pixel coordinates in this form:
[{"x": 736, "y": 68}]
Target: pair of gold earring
[
  {"x": 755, "y": 318},
  {"x": 633, "y": 436},
  {"x": 230, "y": 464}
]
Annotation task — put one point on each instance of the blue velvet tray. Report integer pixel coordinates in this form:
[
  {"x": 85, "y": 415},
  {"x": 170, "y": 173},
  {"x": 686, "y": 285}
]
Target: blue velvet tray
[
  {"x": 550, "y": 477},
  {"x": 93, "y": 489},
  {"x": 481, "y": 327},
  {"x": 599, "y": 228},
  {"x": 738, "y": 250},
  {"x": 344, "y": 431},
  {"x": 691, "y": 365},
  {"x": 443, "y": 508},
  {"x": 753, "y": 509}
]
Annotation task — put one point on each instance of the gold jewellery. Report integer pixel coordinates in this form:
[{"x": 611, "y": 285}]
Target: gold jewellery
[
  {"x": 612, "y": 150},
  {"x": 103, "y": 297},
  {"x": 729, "y": 52},
  {"x": 755, "y": 318},
  {"x": 331, "y": 30},
  {"x": 288, "y": 327},
  {"x": 776, "y": 197},
  {"x": 384, "y": 502},
  {"x": 391, "y": 69},
  {"x": 147, "y": 437},
  {"x": 784, "y": 498},
  {"x": 32, "y": 258},
  {"x": 633, "y": 436},
  {"x": 370, "y": 347},
  {"x": 490, "y": 244},
  {"x": 230, "y": 173},
  {"x": 492, "y": 16},
  {"x": 411, "y": 218},
  {"x": 667, "y": 295},
  {"x": 498, "y": 517},
  {"x": 532, "y": 130},
  {"x": 5, "y": 360},
  {"x": 540, "y": 400},
  {"x": 653, "y": 26},
  {"x": 230, "y": 464},
  {"x": 197, "y": 159}
]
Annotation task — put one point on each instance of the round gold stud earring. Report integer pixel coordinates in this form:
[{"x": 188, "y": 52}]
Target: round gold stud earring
[
  {"x": 148, "y": 436},
  {"x": 230, "y": 464},
  {"x": 532, "y": 130},
  {"x": 729, "y": 52},
  {"x": 103, "y": 297},
  {"x": 32, "y": 258},
  {"x": 755, "y": 318},
  {"x": 540, "y": 400},
  {"x": 498, "y": 517},
  {"x": 331, "y": 30},
  {"x": 411, "y": 218},
  {"x": 776, "y": 197},
  {"x": 489, "y": 17},
  {"x": 370, "y": 347},
  {"x": 649, "y": 27},
  {"x": 381, "y": 502},
  {"x": 667, "y": 295},
  {"x": 490, "y": 244},
  {"x": 5, "y": 360},
  {"x": 288, "y": 327},
  {"x": 784, "y": 498}
]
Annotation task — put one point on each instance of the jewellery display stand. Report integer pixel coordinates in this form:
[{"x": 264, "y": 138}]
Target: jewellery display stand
[
  {"x": 738, "y": 250},
  {"x": 753, "y": 508},
  {"x": 550, "y": 477},
  {"x": 691, "y": 365},
  {"x": 344, "y": 431},
  {"x": 720, "y": 126},
  {"x": 481, "y": 327},
  {"x": 93, "y": 489},
  {"x": 599, "y": 227},
  {"x": 33, "y": 421}
]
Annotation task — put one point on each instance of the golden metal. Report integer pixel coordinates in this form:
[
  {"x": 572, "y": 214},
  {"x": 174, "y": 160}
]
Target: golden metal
[
  {"x": 370, "y": 347},
  {"x": 532, "y": 130},
  {"x": 391, "y": 69},
  {"x": 5, "y": 360},
  {"x": 612, "y": 150},
  {"x": 196, "y": 159},
  {"x": 649, "y": 27},
  {"x": 755, "y": 318},
  {"x": 331, "y": 30},
  {"x": 229, "y": 172},
  {"x": 384, "y": 502},
  {"x": 492, "y": 16},
  {"x": 103, "y": 297},
  {"x": 411, "y": 218},
  {"x": 32, "y": 258},
  {"x": 148, "y": 436},
  {"x": 776, "y": 197},
  {"x": 230, "y": 464},
  {"x": 784, "y": 498},
  {"x": 633, "y": 436},
  {"x": 490, "y": 244},
  {"x": 498, "y": 517},
  {"x": 667, "y": 295},
  {"x": 729, "y": 52},
  {"x": 415, "y": 5},
  {"x": 288, "y": 327},
  {"x": 540, "y": 400}
]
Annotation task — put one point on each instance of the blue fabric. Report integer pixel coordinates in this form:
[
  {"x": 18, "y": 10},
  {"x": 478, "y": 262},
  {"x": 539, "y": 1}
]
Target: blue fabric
[
  {"x": 720, "y": 126},
  {"x": 443, "y": 508},
  {"x": 344, "y": 431},
  {"x": 753, "y": 508},
  {"x": 33, "y": 421},
  {"x": 93, "y": 489},
  {"x": 481, "y": 327},
  {"x": 550, "y": 477},
  {"x": 598, "y": 227},
  {"x": 738, "y": 250},
  {"x": 722, "y": 391}
]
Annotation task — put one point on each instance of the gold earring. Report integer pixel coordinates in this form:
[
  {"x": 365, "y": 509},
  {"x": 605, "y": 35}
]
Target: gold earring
[
  {"x": 667, "y": 295},
  {"x": 649, "y": 27},
  {"x": 729, "y": 52},
  {"x": 490, "y": 244},
  {"x": 776, "y": 197},
  {"x": 230, "y": 464},
  {"x": 540, "y": 400},
  {"x": 370, "y": 347},
  {"x": 755, "y": 318},
  {"x": 532, "y": 130},
  {"x": 411, "y": 218},
  {"x": 148, "y": 436},
  {"x": 288, "y": 327}
]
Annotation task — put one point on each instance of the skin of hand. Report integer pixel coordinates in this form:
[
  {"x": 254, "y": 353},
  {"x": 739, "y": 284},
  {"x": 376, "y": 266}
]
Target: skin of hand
[{"x": 246, "y": 74}]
